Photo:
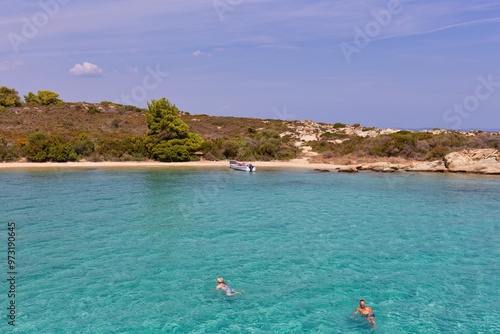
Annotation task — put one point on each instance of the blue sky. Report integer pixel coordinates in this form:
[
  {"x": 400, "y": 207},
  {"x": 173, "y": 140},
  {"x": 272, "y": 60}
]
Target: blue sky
[{"x": 394, "y": 63}]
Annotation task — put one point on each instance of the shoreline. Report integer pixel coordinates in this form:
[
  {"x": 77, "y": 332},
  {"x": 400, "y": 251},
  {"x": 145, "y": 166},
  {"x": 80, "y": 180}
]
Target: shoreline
[
  {"x": 380, "y": 166},
  {"x": 157, "y": 164}
]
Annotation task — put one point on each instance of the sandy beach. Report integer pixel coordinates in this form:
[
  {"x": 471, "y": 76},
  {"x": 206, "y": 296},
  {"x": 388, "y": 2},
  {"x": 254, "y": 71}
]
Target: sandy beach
[
  {"x": 482, "y": 162},
  {"x": 297, "y": 163}
]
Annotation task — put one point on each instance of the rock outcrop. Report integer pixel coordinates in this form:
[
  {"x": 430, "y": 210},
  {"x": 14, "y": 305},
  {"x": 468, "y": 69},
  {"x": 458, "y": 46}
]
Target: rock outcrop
[
  {"x": 321, "y": 170},
  {"x": 484, "y": 161},
  {"x": 479, "y": 161},
  {"x": 348, "y": 169},
  {"x": 428, "y": 166}
]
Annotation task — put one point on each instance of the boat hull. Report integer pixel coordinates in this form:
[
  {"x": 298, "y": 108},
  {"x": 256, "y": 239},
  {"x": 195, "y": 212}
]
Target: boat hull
[{"x": 241, "y": 166}]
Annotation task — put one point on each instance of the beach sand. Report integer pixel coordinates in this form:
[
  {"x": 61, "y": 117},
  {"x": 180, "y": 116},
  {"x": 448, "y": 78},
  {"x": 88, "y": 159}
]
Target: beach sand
[{"x": 296, "y": 163}]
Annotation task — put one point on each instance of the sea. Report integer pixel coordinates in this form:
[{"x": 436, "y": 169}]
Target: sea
[{"x": 139, "y": 251}]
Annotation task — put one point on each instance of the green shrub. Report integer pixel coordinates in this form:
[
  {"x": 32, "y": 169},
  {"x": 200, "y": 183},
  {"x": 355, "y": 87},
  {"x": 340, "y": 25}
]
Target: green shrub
[
  {"x": 230, "y": 148},
  {"x": 61, "y": 152},
  {"x": 41, "y": 148},
  {"x": 330, "y": 135},
  {"x": 48, "y": 98},
  {"x": 36, "y": 148},
  {"x": 269, "y": 148},
  {"x": 8, "y": 152},
  {"x": 452, "y": 139},
  {"x": 171, "y": 151},
  {"x": 287, "y": 153},
  {"x": 268, "y": 134},
  {"x": 44, "y": 98},
  {"x": 9, "y": 97},
  {"x": 31, "y": 99},
  {"x": 136, "y": 147},
  {"x": 351, "y": 146},
  {"x": 130, "y": 148},
  {"x": 321, "y": 146},
  {"x": 84, "y": 147},
  {"x": 214, "y": 147},
  {"x": 93, "y": 110},
  {"x": 339, "y": 125},
  {"x": 438, "y": 153}
]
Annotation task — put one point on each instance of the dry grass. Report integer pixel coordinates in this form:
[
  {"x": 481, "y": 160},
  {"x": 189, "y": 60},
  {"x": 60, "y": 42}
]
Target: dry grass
[{"x": 69, "y": 121}]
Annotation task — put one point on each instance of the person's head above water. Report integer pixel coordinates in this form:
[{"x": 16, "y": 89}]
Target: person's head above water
[
  {"x": 362, "y": 303},
  {"x": 220, "y": 280}
]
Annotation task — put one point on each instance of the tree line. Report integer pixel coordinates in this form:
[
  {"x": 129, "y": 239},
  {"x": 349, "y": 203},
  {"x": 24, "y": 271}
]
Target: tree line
[
  {"x": 9, "y": 97},
  {"x": 168, "y": 138}
]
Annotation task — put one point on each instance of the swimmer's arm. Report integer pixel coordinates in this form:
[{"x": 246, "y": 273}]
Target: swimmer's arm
[{"x": 355, "y": 312}]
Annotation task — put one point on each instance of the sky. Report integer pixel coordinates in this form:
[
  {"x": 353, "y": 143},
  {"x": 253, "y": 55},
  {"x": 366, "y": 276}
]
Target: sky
[{"x": 387, "y": 63}]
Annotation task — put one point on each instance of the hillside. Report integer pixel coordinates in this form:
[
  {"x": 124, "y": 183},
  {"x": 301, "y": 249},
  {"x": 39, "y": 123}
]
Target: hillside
[{"x": 107, "y": 131}]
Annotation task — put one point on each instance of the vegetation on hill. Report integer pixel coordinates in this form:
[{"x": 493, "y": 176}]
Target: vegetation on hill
[
  {"x": 43, "y": 98},
  {"x": 44, "y": 128},
  {"x": 9, "y": 98},
  {"x": 169, "y": 138},
  {"x": 243, "y": 138},
  {"x": 422, "y": 146}
]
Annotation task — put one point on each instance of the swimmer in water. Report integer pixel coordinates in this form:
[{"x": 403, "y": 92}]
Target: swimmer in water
[
  {"x": 366, "y": 312},
  {"x": 223, "y": 286}
]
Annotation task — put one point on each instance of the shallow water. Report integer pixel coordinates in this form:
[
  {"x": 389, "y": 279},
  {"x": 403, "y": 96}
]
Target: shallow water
[{"x": 138, "y": 251}]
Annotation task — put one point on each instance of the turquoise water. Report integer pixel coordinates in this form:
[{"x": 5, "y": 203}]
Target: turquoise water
[{"x": 139, "y": 251}]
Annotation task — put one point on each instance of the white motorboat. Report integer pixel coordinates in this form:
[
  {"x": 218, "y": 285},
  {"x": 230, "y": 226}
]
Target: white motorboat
[{"x": 241, "y": 166}]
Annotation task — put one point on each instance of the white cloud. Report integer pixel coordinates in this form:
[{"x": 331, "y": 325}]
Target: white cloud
[
  {"x": 9, "y": 66},
  {"x": 199, "y": 53},
  {"x": 86, "y": 70}
]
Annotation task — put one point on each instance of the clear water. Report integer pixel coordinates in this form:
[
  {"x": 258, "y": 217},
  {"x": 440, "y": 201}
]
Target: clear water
[{"x": 139, "y": 251}]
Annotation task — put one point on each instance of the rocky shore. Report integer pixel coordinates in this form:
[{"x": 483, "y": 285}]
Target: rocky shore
[{"x": 477, "y": 161}]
